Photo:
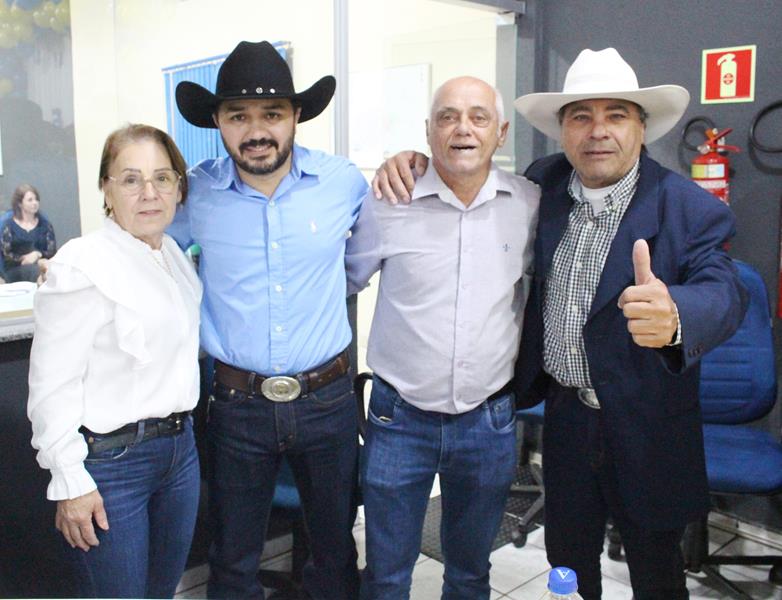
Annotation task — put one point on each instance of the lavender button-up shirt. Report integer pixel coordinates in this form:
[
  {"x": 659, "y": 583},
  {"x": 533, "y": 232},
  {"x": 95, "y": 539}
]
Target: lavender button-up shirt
[{"x": 453, "y": 284}]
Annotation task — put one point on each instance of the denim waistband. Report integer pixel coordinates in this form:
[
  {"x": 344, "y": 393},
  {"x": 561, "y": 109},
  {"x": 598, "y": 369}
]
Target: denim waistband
[{"x": 503, "y": 391}]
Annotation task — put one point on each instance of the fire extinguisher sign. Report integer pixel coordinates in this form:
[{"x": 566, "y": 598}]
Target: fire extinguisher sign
[{"x": 728, "y": 75}]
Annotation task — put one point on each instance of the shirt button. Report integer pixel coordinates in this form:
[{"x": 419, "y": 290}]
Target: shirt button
[
  {"x": 460, "y": 364},
  {"x": 272, "y": 203},
  {"x": 576, "y": 265},
  {"x": 589, "y": 224},
  {"x": 277, "y": 368},
  {"x": 275, "y": 245},
  {"x": 278, "y": 329},
  {"x": 277, "y": 288},
  {"x": 574, "y": 350},
  {"x": 574, "y": 308}
]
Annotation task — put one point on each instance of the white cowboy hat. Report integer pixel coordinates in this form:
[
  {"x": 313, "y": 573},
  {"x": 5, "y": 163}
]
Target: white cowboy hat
[{"x": 605, "y": 74}]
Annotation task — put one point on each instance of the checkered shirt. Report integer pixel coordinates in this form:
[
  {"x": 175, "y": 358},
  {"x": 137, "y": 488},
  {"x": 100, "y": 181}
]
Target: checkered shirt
[{"x": 575, "y": 273}]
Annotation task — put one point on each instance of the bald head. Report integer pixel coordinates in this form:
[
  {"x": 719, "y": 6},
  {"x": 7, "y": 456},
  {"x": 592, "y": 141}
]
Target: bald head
[
  {"x": 458, "y": 82},
  {"x": 465, "y": 127}
]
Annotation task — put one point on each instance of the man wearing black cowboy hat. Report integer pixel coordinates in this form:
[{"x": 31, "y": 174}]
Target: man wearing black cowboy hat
[{"x": 272, "y": 220}]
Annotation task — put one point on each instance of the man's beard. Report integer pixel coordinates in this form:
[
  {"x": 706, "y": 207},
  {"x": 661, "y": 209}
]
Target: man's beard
[{"x": 263, "y": 168}]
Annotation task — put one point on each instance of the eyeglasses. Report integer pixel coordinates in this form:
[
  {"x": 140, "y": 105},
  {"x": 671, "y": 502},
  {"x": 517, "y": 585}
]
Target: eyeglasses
[{"x": 164, "y": 181}]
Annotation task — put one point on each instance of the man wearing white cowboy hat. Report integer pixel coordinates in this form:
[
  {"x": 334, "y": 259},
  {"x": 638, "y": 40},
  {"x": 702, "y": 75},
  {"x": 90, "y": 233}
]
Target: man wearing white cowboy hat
[
  {"x": 272, "y": 219},
  {"x": 631, "y": 288}
]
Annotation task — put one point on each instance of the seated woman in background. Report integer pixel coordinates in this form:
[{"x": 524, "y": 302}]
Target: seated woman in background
[
  {"x": 27, "y": 238},
  {"x": 114, "y": 376}
]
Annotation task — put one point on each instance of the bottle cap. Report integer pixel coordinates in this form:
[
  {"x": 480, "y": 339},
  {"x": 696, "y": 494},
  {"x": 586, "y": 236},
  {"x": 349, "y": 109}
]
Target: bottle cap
[{"x": 562, "y": 581}]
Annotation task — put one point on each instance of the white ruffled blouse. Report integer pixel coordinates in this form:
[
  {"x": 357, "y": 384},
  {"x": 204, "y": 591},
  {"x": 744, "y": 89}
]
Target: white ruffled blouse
[{"x": 116, "y": 341}]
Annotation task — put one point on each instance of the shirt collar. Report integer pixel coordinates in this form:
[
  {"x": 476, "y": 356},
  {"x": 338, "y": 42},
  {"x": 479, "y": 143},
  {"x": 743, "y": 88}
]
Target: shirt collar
[
  {"x": 620, "y": 192},
  {"x": 431, "y": 184},
  {"x": 302, "y": 163},
  {"x": 225, "y": 174}
]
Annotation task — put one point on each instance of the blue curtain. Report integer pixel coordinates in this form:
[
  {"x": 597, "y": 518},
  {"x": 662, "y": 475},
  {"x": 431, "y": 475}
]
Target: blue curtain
[{"x": 197, "y": 143}]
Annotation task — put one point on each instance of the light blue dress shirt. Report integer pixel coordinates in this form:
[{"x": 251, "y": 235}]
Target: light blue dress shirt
[{"x": 273, "y": 268}]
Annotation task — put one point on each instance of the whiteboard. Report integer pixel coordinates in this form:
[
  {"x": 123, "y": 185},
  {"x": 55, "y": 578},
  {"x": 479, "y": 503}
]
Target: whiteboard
[{"x": 388, "y": 112}]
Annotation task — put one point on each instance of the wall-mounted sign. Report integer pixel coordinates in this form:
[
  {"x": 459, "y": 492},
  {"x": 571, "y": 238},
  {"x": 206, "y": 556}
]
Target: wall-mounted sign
[{"x": 728, "y": 75}]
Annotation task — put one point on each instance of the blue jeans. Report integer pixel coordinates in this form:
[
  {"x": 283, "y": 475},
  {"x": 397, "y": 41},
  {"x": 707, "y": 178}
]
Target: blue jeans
[
  {"x": 150, "y": 492},
  {"x": 248, "y": 437},
  {"x": 474, "y": 454}
]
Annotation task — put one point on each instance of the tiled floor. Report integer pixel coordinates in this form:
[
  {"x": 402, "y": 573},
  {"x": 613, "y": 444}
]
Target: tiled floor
[{"x": 520, "y": 573}]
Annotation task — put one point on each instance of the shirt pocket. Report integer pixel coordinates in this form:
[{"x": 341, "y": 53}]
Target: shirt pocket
[{"x": 228, "y": 224}]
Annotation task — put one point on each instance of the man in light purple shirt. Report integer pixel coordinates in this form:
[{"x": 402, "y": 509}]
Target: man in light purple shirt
[{"x": 442, "y": 347}]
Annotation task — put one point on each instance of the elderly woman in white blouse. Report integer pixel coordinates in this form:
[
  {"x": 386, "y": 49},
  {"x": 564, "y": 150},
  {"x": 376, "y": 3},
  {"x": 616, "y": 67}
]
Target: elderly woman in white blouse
[{"x": 114, "y": 375}]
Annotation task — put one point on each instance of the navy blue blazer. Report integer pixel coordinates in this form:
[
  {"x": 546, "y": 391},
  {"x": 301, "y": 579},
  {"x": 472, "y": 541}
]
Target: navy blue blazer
[{"x": 649, "y": 397}]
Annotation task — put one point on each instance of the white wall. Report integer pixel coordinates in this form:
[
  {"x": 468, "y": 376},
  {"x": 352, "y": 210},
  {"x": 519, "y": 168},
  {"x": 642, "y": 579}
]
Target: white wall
[
  {"x": 436, "y": 38},
  {"x": 95, "y": 101}
]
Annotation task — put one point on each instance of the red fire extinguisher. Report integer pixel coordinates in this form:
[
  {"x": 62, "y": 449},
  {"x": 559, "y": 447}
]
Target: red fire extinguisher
[{"x": 711, "y": 169}]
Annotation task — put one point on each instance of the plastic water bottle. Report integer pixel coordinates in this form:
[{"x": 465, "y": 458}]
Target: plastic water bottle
[{"x": 562, "y": 585}]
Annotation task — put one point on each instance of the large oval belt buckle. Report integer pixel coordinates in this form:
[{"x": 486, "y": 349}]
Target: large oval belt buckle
[{"x": 281, "y": 388}]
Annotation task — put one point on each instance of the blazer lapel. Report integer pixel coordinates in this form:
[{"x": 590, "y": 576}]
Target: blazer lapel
[
  {"x": 640, "y": 221},
  {"x": 554, "y": 213}
]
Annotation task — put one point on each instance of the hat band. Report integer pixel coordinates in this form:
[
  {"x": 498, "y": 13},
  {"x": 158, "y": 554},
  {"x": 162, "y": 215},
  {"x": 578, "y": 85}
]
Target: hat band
[{"x": 255, "y": 90}]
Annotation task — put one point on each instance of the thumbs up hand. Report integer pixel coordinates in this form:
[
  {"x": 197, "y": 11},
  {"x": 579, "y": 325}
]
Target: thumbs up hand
[
  {"x": 642, "y": 263},
  {"x": 648, "y": 307}
]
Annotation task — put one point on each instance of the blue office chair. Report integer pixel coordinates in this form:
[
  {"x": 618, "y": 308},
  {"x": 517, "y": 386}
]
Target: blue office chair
[
  {"x": 532, "y": 418},
  {"x": 738, "y": 386}
]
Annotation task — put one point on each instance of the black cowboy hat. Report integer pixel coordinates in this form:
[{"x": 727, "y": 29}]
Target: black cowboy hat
[{"x": 252, "y": 70}]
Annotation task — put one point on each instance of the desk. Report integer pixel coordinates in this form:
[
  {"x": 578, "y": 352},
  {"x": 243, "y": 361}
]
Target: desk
[{"x": 30, "y": 563}]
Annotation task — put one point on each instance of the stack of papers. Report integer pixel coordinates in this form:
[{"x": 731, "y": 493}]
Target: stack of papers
[{"x": 16, "y": 299}]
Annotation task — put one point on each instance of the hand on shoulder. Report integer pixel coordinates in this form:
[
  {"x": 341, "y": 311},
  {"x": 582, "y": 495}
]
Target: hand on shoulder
[{"x": 395, "y": 179}]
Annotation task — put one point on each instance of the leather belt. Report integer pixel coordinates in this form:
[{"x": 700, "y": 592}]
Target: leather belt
[
  {"x": 282, "y": 388},
  {"x": 173, "y": 424}
]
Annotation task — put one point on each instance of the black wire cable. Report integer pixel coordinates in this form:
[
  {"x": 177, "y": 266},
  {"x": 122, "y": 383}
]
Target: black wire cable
[
  {"x": 752, "y": 139},
  {"x": 686, "y": 130}
]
